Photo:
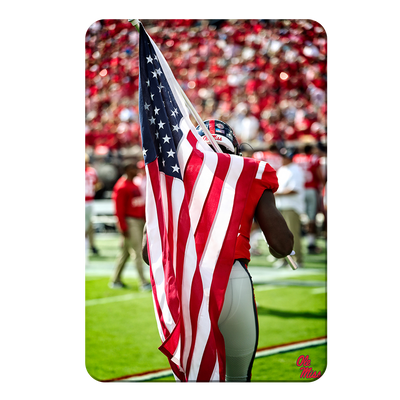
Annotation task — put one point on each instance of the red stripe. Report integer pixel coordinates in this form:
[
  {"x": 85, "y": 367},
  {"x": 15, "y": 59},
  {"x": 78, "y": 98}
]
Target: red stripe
[
  {"x": 192, "y": 170},
  {"x": 153, "y": 174},
  {"x": 211, "y": 126},
  {"x": 208, "y": 361}
]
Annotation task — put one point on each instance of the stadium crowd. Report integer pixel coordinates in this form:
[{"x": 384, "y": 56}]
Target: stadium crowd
[{"x": 266, "y": 78}]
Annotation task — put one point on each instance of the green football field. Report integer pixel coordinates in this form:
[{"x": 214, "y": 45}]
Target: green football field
[{"x": 122, "y": 338}]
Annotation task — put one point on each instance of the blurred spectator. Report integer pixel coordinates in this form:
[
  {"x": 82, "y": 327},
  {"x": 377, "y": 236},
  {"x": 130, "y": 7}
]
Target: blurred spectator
[
  {"x": 290, "y": 199},
  {"x": 273, "y": 69},
  {"x": 310, "y": 163}
]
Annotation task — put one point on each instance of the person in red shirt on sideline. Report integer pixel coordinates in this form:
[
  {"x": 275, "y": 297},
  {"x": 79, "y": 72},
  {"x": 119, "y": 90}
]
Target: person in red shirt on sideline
[
  {"x": 129, "y": 207},
  {"x": 238, "y": 321},
  {"x": 310, "y": 164},
  {"x": 92, "y": 185}
]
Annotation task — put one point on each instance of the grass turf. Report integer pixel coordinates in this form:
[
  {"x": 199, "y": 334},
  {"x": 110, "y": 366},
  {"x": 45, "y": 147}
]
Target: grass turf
[{"x": 122, "y": 337}]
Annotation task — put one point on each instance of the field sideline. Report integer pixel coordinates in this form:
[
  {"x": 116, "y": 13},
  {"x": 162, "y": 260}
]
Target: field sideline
[{"x": 122, "y": 339}]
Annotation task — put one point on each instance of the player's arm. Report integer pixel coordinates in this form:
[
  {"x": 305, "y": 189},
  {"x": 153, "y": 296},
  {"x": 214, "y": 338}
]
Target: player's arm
[
  {"x": 145, "y": 256},
  {"x": 276, "y": 231}
]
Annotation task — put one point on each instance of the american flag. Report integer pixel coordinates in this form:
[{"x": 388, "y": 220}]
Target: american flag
[{"x": 194, "y": 203}]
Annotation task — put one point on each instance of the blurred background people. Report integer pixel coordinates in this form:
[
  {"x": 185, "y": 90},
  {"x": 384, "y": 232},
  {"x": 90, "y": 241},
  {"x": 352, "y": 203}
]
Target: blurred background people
[
  {"x": 310, "y": 164},
  {"x": 129, "y": 206},
  {"x": 92, "y": 184},
  {"x": 290, "y": 199},
  {"x": 271, "y": 156},
  {"x": 265, "y": 76}
]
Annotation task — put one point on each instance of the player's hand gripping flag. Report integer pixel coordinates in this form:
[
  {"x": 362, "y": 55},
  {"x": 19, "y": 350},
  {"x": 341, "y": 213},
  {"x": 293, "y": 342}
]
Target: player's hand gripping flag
[{"x": 195, "y": 200}]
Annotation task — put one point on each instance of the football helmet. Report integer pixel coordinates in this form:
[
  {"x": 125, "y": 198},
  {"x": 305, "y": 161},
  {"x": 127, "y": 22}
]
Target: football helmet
[{"x": 223, "y": 135}]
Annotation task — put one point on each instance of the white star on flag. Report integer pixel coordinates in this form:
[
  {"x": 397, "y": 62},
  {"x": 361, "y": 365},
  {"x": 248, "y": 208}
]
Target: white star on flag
[
  {"x": 166, "y": 138},
  {"x": 170, "y": 153},
  {"x": 175, "y": 168}
]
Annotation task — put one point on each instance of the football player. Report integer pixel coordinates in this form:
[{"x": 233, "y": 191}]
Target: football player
[{"x": 238, "y": 321}]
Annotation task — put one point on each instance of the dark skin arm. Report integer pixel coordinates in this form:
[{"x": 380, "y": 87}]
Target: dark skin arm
[
  {"x": 276, "y": 231},
  {"x": 145, "y": 256}
]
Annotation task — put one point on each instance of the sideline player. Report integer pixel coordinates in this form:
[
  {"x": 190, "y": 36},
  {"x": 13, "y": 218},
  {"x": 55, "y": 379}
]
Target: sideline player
[
  {"x": 92, "y": 185},
  {"x": 130, "y": 211},
  {"x": 238, "y": 321}
]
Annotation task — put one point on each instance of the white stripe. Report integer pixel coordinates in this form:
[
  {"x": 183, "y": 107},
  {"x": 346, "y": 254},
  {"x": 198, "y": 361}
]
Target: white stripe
[
  {"x": 164, "y": 199},
  {"x": 159, "y": 327},
  {"x": 176, "y": 357},
  {"x": 184, "y": 150},
  {"x": 155, "y": 251},
  {"x": 261, "y": 168},
  {"x": 203, "y": 332},
  {"x": 201, "y": 188},
  {"x": 189, "y": 268}
]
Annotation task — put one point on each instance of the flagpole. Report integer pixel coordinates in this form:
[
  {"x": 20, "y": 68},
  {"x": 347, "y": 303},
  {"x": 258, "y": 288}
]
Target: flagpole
[{"x": 135, "y": 23}]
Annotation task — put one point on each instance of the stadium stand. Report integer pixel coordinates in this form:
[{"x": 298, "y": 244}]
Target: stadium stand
[{"x": 266, "y": 78}]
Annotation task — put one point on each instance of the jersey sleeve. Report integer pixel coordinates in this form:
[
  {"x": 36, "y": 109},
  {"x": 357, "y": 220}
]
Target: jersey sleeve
[{"x": 266, "y": 176}]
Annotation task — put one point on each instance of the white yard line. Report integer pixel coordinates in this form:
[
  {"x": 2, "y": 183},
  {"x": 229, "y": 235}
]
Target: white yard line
[{"x": 113, "y": 299}]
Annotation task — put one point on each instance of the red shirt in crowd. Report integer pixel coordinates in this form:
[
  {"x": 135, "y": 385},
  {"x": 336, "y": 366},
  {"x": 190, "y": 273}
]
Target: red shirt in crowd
[
  {"x": 265, "y": 179},
  {"x": 128, "y": 201},
  {"x": 91, "y": 179}
]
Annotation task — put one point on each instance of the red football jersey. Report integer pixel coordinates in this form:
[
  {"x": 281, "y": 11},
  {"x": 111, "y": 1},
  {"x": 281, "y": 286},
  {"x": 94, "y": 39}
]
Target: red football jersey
[
  {"x": 265, "y": 179},
  {"x": 128, "y": 202},
  {"x": 309, "y": 164},
  {"x": 91, "y": 179}
]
